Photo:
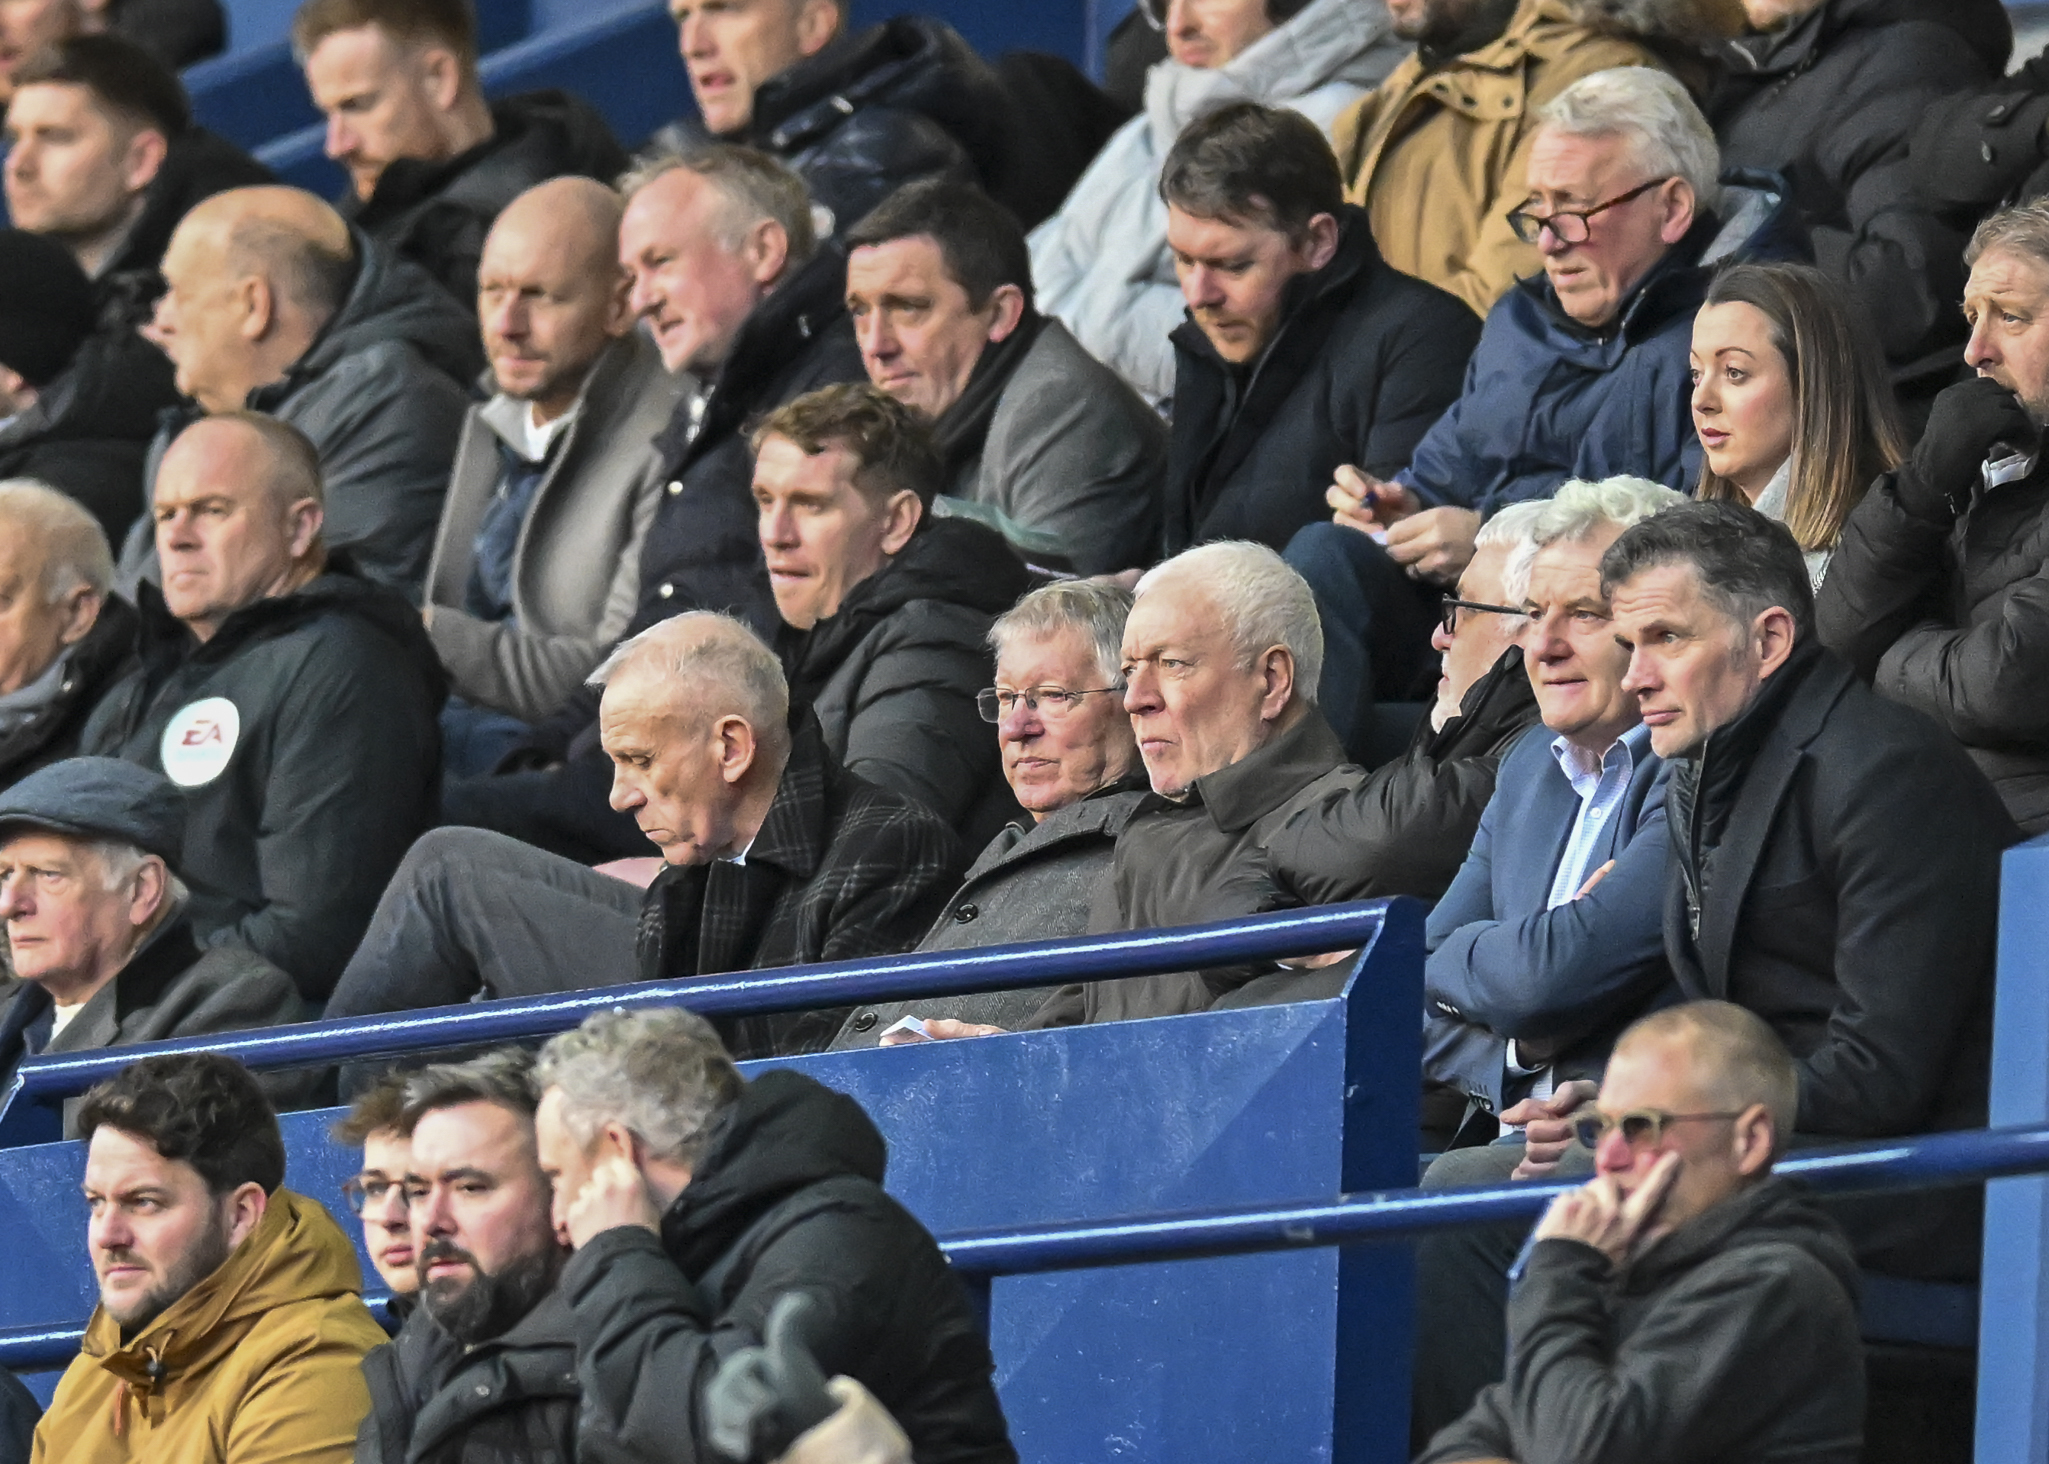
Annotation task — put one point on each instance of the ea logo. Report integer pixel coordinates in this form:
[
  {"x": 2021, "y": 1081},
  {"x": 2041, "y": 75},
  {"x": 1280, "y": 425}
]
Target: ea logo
[{"x": 199, "y": 741}]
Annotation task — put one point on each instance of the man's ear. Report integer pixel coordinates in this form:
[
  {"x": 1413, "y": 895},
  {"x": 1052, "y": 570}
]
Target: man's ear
[
  {"x": 302, "y": 526},
  {"x": 1756, "y": 1140},
  {"x": 1009, "y": 308},
  {"x": 619, "y": 316},
  {"x": 1277, "y": 671},
  {"x": 144, "y": 160},
  {"x": 1772, "y": 634},
  {"x": 616, "y": 1141},
  {"x": 259, "y": 307},
  {"x": 441, "y": 76},
  {"x": 736, "y": 747},
  {"x": 243, "y": 1209},
  {"x": 900, "y": 519},
  {"x": 817, "y": 23},
  {"x": 81, "y": 608},
  {"x": 767, "y": 251},
  {"x": 1681, "y": 208},
  {"x": 152, "y": 888},
  {"x": 1319, "y": 243}
]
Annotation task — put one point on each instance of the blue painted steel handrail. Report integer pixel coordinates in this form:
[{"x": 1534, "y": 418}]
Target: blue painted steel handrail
[
  {"x": 792, "y": 988},
  {"x": 1921, "y": 1163}
]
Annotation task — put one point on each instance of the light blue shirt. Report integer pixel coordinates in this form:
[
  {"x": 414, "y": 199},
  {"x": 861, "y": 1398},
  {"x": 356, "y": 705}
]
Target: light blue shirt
[{"x": 1600, "y": 795}]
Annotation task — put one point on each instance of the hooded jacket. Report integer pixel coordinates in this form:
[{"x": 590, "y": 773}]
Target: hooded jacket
[
  {"x": 1101, "y": 265},
  {"x": 1830, "y": 101},
  {"x": 1437, "y": 152},
  {"x": 787, "y": 1198},
  {"x": 91, "y": 669},
  {"x": 1733, "y": 1340},
  {"x": 381, "y": 394},
  {"x": 1364, "y": 360},
  {"x": 260, "y": 1360},
  {"x": 437, "y": 214},
  {"x": 305, "y": 734},
  {"x": 894, "y": 672}
]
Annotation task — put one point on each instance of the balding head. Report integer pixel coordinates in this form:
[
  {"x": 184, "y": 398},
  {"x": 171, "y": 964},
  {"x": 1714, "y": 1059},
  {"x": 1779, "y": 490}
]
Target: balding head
[
  {"x": 238, "y": 512},
  {"x": 253, "y": 275},
  {"x": 55, "y": 570},
  {"x": 550, "y": 293},
  {"x": 695, "y": 719}
]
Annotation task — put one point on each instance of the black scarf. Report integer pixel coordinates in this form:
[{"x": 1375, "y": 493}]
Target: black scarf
[{"x": 963, "y": 428}]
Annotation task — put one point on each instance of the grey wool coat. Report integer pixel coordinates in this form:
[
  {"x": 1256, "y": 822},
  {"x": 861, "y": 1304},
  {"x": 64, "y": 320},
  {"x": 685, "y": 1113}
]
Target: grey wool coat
[
  {"x": 576, "y": 566},
  {"x": 1033, "y": 882}
]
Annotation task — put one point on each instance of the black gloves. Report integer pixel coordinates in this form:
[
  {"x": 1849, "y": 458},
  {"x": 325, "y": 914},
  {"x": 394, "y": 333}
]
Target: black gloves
[{"x": 1966, "y": 424}]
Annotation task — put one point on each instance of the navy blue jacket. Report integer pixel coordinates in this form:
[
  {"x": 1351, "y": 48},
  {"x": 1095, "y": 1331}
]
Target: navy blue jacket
[{"x": 1503, "y": 966}]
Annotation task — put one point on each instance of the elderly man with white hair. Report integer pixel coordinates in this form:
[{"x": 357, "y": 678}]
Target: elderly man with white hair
[
  {"x": 1581, "y": 371},
  {"x": 773, "y": 855},
  {"x": 64, "y": 637}
]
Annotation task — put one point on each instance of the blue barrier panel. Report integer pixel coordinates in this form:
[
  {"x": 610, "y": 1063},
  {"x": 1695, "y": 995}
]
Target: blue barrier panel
[{"x": 1298, "y": 1356}]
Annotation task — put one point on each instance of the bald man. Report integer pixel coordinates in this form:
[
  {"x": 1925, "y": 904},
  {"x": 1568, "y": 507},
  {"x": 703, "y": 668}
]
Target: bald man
[
  {"x": 273, "y": 303},
  {"x": 771, "y": 855},
  {"x": 535, "y": 564},
  {"x": 293, "y": 701}
]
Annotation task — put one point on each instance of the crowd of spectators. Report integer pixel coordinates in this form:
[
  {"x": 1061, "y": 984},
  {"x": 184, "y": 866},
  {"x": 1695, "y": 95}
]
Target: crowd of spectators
[{"x": 1577, "y": 464}]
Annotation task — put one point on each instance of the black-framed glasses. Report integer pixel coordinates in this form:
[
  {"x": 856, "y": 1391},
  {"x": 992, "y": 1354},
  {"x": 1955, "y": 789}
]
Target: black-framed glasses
[
  {"x": 1639, "y": 1127},
  {"x": 1447, "y": 615},
  {"x": 364, "y": 1192},
  {"x": 1571, "y": 225},
  {"x": 1051, "y": 702}
]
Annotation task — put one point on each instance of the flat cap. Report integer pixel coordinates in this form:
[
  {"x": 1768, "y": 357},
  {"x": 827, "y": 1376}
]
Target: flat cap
[{"x": 100, "y": 798}]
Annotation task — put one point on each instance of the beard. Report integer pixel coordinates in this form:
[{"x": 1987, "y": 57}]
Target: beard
[
  {"x": 209, "y": 1252},
  {"x": 485, "y": 1305}
]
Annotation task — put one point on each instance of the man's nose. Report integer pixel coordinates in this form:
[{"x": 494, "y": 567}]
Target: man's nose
[
  {"x": 1612, "y": 1155},
  {"x": 1199, "y": 285},
  {"x": 1021, "y": 723},
  {"x": 641, "y": 297},
  {"x": 778, "y": 527},
  {"x": 625, "y": 797},
  {"x": 508, "y": 320},
  {"x": 1180, "y": 17},
  {"x": 341, "y": 138},
  {"x": 1548, "y": 242},
  {"x": 431, "y": 1215},
  {"x": 1140, "y": 692},
  {"x": 876, "y": 338},
  {"x": 1639, "y": 676},
  {"x": 1441, "y": 637},
  {"x": 1978, "y": 351},
  {"x": 692, "y": 37}
]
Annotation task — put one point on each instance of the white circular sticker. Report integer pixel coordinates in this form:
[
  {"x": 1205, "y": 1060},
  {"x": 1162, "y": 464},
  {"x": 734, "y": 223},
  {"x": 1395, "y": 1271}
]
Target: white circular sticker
[{"x": 199, "y": 741}]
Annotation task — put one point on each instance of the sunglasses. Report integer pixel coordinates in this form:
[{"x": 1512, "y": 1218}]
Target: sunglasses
[
  {"x": 1448, "y": 615},
  {"x": 1644, "y": 1126}
]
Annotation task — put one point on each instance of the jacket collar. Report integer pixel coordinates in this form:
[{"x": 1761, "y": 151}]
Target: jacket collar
[
  {"x": 168, "y": 953},
  {"x": 1238, "y": 796},
  {"x": 795, "y": 834},
  {"x": 1498, "y": 705},
  {"x": 1675, "y": 285},
  {"x": 1103, "y": 814}
]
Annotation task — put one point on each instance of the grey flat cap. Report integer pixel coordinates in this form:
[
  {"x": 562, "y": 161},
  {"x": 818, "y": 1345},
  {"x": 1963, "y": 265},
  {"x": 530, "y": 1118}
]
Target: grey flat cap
[{"x": 100, "y": 798}]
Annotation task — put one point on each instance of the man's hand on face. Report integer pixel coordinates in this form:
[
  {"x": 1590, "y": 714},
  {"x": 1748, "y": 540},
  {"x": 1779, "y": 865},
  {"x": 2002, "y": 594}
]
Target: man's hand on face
[
  {"x": 1548, "y": 1126},
  {"x": 1964, "y": 423},
  {"x": 1436, "y": 544},
  {"x": 941, "y": 1029},
  {"x": 1358, "y": 500},
  {"x": 614, "y": 1195},
  {"x": 1599, "y": 1214}
]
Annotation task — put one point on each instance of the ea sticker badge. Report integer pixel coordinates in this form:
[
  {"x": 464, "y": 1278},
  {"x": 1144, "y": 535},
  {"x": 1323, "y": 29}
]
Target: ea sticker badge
[{"x": 199, "y": 742}]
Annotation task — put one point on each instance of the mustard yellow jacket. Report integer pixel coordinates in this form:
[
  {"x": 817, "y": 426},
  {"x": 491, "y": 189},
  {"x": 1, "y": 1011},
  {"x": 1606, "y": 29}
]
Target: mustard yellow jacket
[
  {"x": 260, "y": 1363},
  {"x": 1436, "y": 158}
]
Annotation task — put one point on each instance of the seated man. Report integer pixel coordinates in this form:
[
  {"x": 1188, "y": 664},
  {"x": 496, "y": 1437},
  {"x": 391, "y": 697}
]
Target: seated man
[
  {"x": 1303, "y": 350},
  {"x": 1039, "y": 439},
  {"x": 294, "y": 703},
  {"x": 275, "y": 305},
  {"x": 536, "y": 563},
  {"x": 1408, "y": 828},
  {"x": 1072, "y": 764},
  {"x": 64, "y": 638},
  {"x": 696, "y": 1201},
  {"x": 1435, "y": 154},
  {"x": 1837, "y": 873},
  {"x": 78, "y": 405},
  {"x": 104, "y": 158},
  {"x": 236, "y": 1293},
  {"x": 1933, "y": 593},
  {"x": 1580, "y": 373},
  {"x": 485, "y": 1366},
  {"x": 98, "y": 932},
  {"x": 773, "y": 856},
  {"x": 430, "y": 160},
  {"x": 377, "y": 1191},
  {"x": 885, "y": 609},
  {"x": 176, "y": 33},
  {"x": 756, "y": 311},
  {"x": 1684, "y": 1304}
]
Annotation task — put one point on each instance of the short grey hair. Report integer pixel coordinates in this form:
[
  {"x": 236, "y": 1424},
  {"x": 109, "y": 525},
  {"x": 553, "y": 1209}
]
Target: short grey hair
[
  {"x": 2022, "y": 229},
  {"x": 700, "y": 650},
  {"x": 661, "y": 1072},
  {"x": 504, "y": 1077},
  {"x": 1669, "y": 136},
  {"x": 1579, "y": 509},
  {"x": 74, "y": 546},
  {"x": 754, "y": 185},
  {"x": 1263, "y": 602},
  {"x": 1096, "y": 608},
  {"x": 120, "y": 862},
  {"x": 1515, "y": 528}
]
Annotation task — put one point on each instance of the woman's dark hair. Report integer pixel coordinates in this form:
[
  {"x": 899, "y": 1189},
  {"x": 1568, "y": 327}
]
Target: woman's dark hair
[
  {"x": 198, "y": 1108},
  {"x": 1248, "y": 164},
  {"x": 1846, "y": 424}
]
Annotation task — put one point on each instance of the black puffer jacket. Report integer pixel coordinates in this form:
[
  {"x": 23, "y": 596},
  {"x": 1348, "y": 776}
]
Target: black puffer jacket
[
  {"x": 876, "y": 109},
  {"x": 176, "y": 32},
  {"x": 894, "y": 673},
  {"x": 1830, "y": 102},
  {"x": 789, "y": 1198},
  {"x": 196, "y": 166},
  {"x": 1987, "y": 147},
  {"x": 509, "y": 1400},
  {"x": 305, "y": 789},
  {"x": 90, "y": 429},
  {"x": 1734, "y": 1339},
  {"x": 1366, "y": 360},
  {"x": 437, "y": 214},
  {"x": 97, "y": 663}
]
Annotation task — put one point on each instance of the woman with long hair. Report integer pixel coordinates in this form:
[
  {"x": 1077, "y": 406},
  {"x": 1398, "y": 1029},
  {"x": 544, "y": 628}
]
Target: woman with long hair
[{"x": 1795, "y": 414}]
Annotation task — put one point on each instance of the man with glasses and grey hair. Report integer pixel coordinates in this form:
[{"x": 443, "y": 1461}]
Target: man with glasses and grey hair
[{"x": 1070, "y": 760}]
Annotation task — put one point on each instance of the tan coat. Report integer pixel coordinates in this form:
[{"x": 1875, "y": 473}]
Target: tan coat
[
  {"x": 1437, "y": 159},
  {"x": 260, "y": 1363}
]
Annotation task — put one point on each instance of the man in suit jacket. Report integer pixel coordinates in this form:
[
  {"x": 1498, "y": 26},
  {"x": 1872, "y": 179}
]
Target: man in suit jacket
[{"x": 772, "y": 855}]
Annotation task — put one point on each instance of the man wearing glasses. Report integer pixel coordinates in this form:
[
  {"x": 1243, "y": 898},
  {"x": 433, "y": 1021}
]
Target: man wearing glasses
[
  {"x": 1581, "y": 371},
  {"x": 377, "y": 1193},
  {"x": 1684, "y": 1303}
]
